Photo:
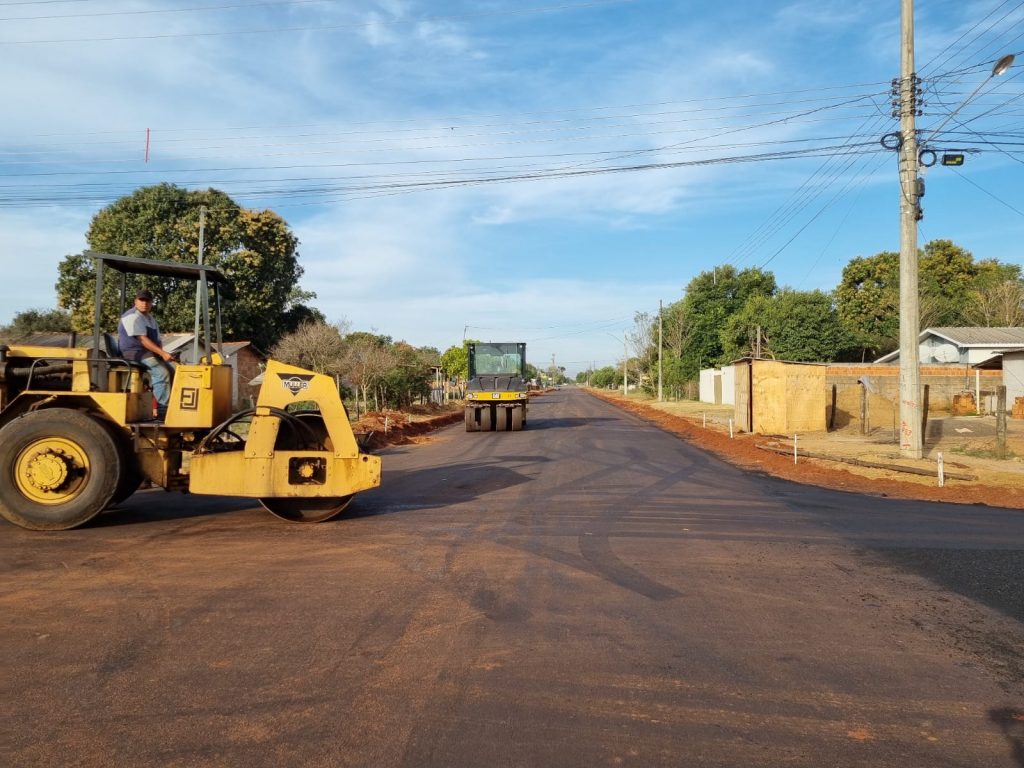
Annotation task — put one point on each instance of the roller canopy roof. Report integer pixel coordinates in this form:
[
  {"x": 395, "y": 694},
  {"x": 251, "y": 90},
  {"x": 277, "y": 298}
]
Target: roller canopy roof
[{"x": 132, "y": 265}]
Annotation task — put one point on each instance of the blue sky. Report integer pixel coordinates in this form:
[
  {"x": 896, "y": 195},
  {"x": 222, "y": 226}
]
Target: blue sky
[{"x": 533, "y": 171}]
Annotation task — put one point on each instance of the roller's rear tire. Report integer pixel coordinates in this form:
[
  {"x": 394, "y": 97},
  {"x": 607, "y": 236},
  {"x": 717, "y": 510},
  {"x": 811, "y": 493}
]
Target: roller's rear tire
[
  {"x": 59, "y": 468},
  {"x": 131, "y": 476}
]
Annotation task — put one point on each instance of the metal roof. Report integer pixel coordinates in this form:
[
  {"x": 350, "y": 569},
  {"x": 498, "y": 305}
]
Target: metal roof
[
  {"x": 970, "y": 336},
  {"x": 979, "y": 336},
  {"x": 175, "y": 341}
]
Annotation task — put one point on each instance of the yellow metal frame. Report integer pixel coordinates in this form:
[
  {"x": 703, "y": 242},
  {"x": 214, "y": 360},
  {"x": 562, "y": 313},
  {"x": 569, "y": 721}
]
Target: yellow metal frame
[
  {"x": 495, "y": 397},
  {"x": 200, "y": 396},
  {"x": 260, "y": 471}
]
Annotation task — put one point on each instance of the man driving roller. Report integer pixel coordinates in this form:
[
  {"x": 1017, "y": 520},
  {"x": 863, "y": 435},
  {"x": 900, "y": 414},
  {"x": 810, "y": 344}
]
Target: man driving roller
[{"x": 139, "y": 338}]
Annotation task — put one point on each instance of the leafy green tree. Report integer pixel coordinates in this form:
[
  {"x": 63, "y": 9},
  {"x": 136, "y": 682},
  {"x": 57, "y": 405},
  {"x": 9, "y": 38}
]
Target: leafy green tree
[
  {"x": 36, "y": 321},
  {"x": 675, "y": 337},
  {"x": 407, "y": 378},
  {"x": 868, "y": 302},
  {"x": 868, "y": 298},
  {"x": 606, "y": 377},
  {"x": 711, "y": 299},
  {"x": 801, "y": 326},
  {"x": 255, "y": 249},
  {"x": 455, "y": 361}
]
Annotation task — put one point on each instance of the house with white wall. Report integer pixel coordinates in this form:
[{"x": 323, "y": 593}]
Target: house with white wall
[{"x": 964, "y": 346}]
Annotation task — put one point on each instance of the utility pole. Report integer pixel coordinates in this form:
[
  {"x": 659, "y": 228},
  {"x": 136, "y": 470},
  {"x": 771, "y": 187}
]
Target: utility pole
[
  {"x": 660, "y": 328},
  {"x": 199, "y": 285},
  {"x": 911, "y": 442}
]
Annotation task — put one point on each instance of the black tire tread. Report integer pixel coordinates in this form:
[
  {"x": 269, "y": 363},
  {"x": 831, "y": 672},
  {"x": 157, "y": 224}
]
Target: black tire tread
[{"x": 103, "y": 479}]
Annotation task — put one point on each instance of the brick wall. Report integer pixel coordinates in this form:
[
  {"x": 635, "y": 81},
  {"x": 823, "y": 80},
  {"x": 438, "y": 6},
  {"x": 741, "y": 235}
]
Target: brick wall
[{"x": 882, "y": 389}]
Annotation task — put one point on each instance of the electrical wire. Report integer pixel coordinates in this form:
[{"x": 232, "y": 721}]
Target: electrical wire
[{"x": 323, "y": 27}]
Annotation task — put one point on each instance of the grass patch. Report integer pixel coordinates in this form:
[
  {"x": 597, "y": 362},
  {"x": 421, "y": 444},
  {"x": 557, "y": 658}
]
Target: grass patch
[{"x": 984, "y": 452}]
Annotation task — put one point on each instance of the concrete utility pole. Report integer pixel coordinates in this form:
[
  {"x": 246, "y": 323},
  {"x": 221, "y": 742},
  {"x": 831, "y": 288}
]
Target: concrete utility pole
[
  {"x": 660, "y": 327},
  {"x": 911, "y": 442},
  {"x": 199, "y": 285}
]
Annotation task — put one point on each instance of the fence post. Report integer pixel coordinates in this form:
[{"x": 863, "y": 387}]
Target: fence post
[
  {"x": 863, "y": 408},
  {"x": 832, "y": 415},
  {"x": 1001, "y": 421},
  {"x": 924, "y": 416}
]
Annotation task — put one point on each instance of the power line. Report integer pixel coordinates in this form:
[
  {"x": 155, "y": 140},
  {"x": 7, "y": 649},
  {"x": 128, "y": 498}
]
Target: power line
[
  {"x": 990, "y": 194},
  {"x": 324, "y": 27},
  {"x": 155, "y": 11}
]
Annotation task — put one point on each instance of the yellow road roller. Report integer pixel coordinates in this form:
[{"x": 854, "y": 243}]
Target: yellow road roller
[{"x": 78, "y": 433}]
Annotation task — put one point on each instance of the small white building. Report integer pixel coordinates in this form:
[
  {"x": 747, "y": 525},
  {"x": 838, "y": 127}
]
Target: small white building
[
  {"x": 718, "y": 386},
  {"x": 710, "y": 386}
]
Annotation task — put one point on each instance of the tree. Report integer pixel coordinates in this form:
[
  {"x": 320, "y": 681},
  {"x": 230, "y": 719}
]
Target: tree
[
  {"x": 407, "y": 378},
  {"x": 455, "y": 362},
  {"x": 675, "y": 337},
  {"x": 801, "y": 326},
  {"x": 641, "y": 341},
  {"x": 999, "y": 306},
  {"x": 868, "y": 299},
  {"x": 255, "y": 249},
  {"x": 36, "y": 321},
  {"x": 868, "y": 302},
  {"x": 367, "y": 361},
  {"x": 314, "y": 345},
  {"x": 711, "y": 299},
  {"x": 606, "y": 377}
]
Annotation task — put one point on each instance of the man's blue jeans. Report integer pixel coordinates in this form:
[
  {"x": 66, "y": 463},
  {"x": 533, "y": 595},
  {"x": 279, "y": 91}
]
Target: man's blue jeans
[{"x": 160, "y": 375}]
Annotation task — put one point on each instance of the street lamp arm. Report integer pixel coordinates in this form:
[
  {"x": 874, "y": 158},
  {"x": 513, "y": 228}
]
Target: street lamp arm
[{"x": 997, "y": 69}]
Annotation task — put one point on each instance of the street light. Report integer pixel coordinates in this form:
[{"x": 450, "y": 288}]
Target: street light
[{"x": 997, "y": 69}]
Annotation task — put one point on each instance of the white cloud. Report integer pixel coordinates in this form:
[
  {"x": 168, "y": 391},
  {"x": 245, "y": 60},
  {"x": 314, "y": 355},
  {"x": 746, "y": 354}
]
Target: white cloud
[
  {"x": 815, "y": 13},
  {"x": 378, "y": 31}
]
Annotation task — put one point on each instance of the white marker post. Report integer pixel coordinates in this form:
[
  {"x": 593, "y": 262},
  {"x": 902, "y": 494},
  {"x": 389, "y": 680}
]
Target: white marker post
[
  {"x": 942, "y": 472},
  {"x": 730, "y": 429},
  {"x": 794, "y": 448}
]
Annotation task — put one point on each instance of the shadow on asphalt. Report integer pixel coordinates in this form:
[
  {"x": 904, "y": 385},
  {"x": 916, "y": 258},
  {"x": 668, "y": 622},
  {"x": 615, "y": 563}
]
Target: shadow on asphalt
[
  {"x": 152, "y": 506},
  {"x": 403, "y": 490},
  {"x": 442, "y": 486},
  {"x": 569, "y": 422},
  {"x": 1011, "y": 723}
]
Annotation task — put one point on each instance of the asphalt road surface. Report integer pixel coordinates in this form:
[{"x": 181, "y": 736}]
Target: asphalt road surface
[{"x": 588, "y": 592}]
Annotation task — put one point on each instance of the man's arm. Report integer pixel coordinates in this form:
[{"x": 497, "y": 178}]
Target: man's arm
[{"x": 155, "y": 348}]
